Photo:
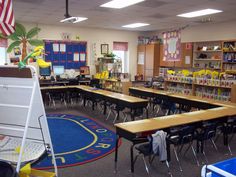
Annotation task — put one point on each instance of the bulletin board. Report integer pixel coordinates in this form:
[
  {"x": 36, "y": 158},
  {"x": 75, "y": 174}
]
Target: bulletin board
[{"x": 70, "y": 54}]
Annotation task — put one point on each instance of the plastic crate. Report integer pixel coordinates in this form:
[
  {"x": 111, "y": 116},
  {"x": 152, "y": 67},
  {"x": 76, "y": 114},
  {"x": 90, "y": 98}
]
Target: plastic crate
[
  {"x": 225, "y": 168},
  {"x": 38, "y": 173}
]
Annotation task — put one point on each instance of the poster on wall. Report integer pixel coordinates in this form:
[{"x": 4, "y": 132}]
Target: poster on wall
[
  {"x": 82, "y": 57},
  {"x": 17, "y": 51},
  {"x": 172, "y": 45},
  {"x": 76, "y": 56},
  {"x": 141, "y": 58}
]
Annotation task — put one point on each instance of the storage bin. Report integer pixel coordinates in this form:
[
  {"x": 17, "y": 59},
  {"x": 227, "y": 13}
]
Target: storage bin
[{"x": 225, "y": 168}]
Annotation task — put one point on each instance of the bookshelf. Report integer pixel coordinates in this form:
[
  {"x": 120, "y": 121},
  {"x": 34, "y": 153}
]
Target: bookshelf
[
  {"x": 208, "y": 55},
  {"x": 216, "y": 89},
  {"x": 229, "y": 56}
]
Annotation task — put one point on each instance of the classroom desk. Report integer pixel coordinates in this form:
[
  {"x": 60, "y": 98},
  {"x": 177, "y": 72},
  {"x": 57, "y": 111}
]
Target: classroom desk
[
  {"x": 132, "y": 130},
  {"x": 120, "y": 100},
  {"x": 192, "y": 101}
]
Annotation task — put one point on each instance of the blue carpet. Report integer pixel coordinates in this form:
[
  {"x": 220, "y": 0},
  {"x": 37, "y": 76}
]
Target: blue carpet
[{"x": 77, "y": 140}]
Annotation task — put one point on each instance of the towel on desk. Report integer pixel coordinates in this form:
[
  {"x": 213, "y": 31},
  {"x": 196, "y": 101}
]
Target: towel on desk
[{"x": 159, "y": 144}]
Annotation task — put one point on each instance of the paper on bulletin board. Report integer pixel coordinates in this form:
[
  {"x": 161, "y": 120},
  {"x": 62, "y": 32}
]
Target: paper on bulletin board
[
  {"x": 141, "y": 58},
  {"x": 63, "y": 47},
  {"x": 55, "y": 47},
  {"x": 82, "y": 57},
  {"x": 187, "y": 60},
  {"x": 76, "y": 56}
]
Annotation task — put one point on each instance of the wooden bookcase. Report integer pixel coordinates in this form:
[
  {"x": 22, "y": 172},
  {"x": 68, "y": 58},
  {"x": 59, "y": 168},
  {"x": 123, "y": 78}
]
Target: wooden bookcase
[
  {"x": 201, "y": 88},
  {"x": 208, "y": 55},
  {"x": 229, "y": 56}
]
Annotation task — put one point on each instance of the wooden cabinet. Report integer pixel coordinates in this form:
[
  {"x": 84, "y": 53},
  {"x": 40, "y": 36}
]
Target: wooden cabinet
[{"x": 150, "y": 67}]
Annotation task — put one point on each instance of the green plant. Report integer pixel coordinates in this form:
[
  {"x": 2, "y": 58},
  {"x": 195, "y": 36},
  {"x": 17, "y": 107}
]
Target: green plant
[
  {"x": 112, "y": 55},
  {"x": 21, "y": 36}
]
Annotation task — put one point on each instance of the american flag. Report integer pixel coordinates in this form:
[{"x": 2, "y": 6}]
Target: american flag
[{"x": 7, "y": 21}]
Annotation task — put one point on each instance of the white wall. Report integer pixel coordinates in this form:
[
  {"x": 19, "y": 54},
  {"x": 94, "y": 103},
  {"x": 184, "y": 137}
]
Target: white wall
[
  {"x": 210, "y": 32},
  {"x": 92, "y": 35},
  {"x": 204, "y": 32}
]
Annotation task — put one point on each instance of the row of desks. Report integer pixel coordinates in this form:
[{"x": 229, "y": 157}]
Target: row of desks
[
  {"x": 131, "y": 130},
  {"x": 120, "y": 100},
  {"x": 211, "y": 110}
]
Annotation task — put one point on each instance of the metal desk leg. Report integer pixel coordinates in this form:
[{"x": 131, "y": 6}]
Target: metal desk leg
[
  {"x": 105, "y": 108},
  {"x": 116, "y": 153},
  {"x": 132, "y": 158},
  {"x": 146, "y": 111},
  {"x": 168, "y": 151}
]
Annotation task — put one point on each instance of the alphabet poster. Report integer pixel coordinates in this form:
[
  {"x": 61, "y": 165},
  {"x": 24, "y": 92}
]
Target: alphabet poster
[{"x": 172, "y": 45}]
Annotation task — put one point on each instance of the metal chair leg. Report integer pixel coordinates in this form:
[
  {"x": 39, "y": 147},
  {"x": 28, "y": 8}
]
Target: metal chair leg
[
  {"x": 109, "y": 113},
  {"x": 212, "y": 141},
  {"x": 195, "y": 155},
  {"x": 116, "y": 116},
  {"x": 230, "y": 151},
  {"x": 168, "y": 166},
  {"x": 177, "y": 158},
  {"x": 146, "y": 167}
]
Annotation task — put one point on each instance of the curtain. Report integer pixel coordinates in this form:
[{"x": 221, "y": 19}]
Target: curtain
[{"x": 122, "y": 46}]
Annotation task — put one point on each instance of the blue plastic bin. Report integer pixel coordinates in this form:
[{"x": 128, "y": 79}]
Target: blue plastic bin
[{"x": 225, "y": 168}]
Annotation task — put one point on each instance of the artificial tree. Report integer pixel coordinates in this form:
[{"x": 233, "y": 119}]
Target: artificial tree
[{"x": 21, "y": 36}]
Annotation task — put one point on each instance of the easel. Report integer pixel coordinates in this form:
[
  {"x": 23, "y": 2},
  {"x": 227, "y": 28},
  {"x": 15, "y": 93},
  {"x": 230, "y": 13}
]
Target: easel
[{"x": 22, "y": 114}]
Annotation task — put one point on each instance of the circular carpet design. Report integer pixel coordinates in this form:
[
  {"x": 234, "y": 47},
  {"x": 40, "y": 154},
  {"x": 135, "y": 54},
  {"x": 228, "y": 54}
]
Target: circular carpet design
[{"x": 77, "y": 140}]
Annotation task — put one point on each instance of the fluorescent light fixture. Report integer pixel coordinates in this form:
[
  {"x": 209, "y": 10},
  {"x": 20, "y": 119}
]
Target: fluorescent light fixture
[
  {"x": 80, "y": 19},
  {"x": 200, "y": 13},
  {"x": 118, "y": 4},
  {"x": 74, "y": 19},
  {"x": 135, "y": 25}
]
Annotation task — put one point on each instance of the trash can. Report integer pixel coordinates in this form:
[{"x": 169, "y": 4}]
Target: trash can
[
  {"x": 7, "y": 170},
  {"x": 225, "y": 168}
]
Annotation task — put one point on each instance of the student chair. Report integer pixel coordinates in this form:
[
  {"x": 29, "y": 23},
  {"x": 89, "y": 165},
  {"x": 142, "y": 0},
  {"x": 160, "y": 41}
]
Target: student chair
[
  {"x": 146, "y": 150},
  {"x": 180, "y": 138},
  {"x": 229, "y": 129},
  {"x": 206, "y": 133}
]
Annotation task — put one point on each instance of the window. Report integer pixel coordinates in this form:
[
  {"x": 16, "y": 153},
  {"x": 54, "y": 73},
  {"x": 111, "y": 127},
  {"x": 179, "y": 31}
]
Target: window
[
  {"x": 120, "y": 49},
  {"x": 3, "y": 51}
]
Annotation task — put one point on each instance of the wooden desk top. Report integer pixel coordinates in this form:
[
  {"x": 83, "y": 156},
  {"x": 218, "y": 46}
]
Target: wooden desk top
[
  {"x": 176, "y": 120},
  {"x": 193, "y": 98},
  {"x": 106, "y": 93},
  {"x": 119, "y": 96}
]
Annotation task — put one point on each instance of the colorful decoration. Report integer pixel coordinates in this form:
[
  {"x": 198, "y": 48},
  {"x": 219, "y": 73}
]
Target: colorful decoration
[
  {"x": 172, "y": 45},
  {"x": 21, "y": 36},
  {"x": 38, "y": 51}
]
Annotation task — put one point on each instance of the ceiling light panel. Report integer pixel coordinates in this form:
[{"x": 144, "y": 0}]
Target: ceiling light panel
[
  {"x": 200, "y": 13},
  {"x": 135, "y": 25},
  {"x": 118, "y": 4}
]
